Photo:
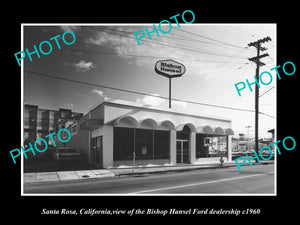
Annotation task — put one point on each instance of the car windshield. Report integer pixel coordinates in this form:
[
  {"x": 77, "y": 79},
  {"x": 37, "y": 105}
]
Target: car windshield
[{"x": 66, "y": 150}]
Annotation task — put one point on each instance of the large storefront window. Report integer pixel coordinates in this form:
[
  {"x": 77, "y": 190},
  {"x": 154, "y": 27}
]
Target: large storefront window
[
  {"x": 123, "y": 143},
  {"x": 147, "y": 144},
  {"x": 143, "y": 144},
  {"x": 161, "y": 144},
  {"x": 211, "y": 145}
]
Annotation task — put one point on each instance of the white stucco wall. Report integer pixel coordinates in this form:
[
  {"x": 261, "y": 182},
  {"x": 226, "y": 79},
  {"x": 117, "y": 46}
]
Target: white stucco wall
[{"x": 112, "y": 113}]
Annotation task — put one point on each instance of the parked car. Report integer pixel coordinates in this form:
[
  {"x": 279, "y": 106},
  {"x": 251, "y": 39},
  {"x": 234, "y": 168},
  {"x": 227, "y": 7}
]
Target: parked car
[
  {"x": 266, "y": 151},
  {"x": 64, "y": 154}
]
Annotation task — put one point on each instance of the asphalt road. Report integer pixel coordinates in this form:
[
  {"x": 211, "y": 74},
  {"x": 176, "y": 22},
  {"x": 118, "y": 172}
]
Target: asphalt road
[{"x": 251, "y": 180}]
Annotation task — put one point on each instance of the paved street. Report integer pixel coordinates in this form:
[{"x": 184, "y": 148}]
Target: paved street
[{"x": 251, "y": 180}]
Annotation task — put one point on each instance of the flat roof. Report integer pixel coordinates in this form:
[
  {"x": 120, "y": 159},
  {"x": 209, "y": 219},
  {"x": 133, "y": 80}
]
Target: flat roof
[{"x": 184, "y": 112}]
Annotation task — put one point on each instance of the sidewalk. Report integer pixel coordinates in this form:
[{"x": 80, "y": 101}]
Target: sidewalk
[
  {"x": 104, "y": 173},
  {"x": 66, "y": 175}
]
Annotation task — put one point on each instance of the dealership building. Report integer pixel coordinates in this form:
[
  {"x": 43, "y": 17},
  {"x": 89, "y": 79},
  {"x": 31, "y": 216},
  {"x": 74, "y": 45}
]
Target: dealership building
[{"x": 115, "y": 132}]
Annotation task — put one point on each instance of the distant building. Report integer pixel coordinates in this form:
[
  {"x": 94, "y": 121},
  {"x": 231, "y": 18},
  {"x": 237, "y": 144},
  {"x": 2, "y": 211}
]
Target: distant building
[
  {"x": 272, "y": 131},
  {"x": 38, "y": 123},
  {"x": 242, "y": 145},
  {"x": 115, "y": 132}
]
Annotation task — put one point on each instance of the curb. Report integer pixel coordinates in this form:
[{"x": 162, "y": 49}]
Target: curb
[
  {"x": 182, "y": 169},
  {"x": 104, "y": 173},
  {"x": 65, "y": 176}
]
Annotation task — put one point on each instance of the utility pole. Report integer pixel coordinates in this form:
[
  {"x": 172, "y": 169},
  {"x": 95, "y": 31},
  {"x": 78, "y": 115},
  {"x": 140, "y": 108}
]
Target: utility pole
[{"x": 257, "y": 45}]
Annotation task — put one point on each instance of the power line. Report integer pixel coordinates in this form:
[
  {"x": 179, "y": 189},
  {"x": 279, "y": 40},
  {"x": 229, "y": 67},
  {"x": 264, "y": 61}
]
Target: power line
[
  {"x": 179, "y": 47},
  {"x": 271, "y": 58},
  {"x": 212, "y": 39},
  {"x": 144, "y": 56},
  {"x": 236, "y": 36},
  {"x": 241, "y": 32},
  {"x": 167, "y": 37},
  {"x": 266, "y": 92},
  {"x": 139, "y": 93},
  {"x": 180, "y": 38},
  {"x": 266, "y": 114}
]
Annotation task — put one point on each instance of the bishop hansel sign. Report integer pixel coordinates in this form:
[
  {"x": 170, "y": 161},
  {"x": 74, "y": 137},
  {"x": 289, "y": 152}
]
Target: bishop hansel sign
[{"x": 169, "y": 68}]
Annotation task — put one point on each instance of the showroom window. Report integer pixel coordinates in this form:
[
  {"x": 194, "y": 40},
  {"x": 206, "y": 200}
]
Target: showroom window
[
  {"x": 144, "y": 144},
  {"x": 123, "y": 143},
  {"x": 147, "y": 144},
  {"x": 209, "y": 145},
  {"x": 161, "y": 144}
]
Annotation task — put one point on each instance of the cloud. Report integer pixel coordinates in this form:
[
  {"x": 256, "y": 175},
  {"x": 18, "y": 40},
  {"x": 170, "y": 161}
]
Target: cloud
[
  {"x": 97, "y": 92},
  {"x": 84, "y": 66},
  {"x": 179, "y": 104},
  {"x": 70, "y": 105},
  {"x": 151, "y": 100},
  {"x": 101, "y": 38},
  {"x": 120, "y": 39},
  {"x": 112, "y": 37},
  {"x": 70, "y": 28},
  {"x": 158, "y": 101}
]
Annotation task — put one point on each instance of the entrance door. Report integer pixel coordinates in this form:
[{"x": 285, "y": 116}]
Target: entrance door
[
  {"x": 96, "y": 151},
  {"x": 182, "y": 151}
]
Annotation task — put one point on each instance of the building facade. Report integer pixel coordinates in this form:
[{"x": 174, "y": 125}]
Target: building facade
[
  {"x": 116, "y": 133},
  {"x": 38, "y": 123}
]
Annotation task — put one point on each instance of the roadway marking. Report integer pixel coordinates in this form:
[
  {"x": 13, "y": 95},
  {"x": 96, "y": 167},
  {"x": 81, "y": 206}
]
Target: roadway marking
[{"x": 195, "y": 184}]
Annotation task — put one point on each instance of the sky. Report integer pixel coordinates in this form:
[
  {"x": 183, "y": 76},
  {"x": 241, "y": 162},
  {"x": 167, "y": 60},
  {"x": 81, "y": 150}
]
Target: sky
[{"x": 215, "y": 57}]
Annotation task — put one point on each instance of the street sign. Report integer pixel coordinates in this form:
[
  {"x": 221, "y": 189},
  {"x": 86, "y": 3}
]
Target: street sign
[{"x": 169, "y": 68}]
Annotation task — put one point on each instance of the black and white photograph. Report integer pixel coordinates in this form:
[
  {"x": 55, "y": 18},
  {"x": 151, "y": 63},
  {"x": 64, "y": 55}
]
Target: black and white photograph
[{"x": 164, "y": 109}]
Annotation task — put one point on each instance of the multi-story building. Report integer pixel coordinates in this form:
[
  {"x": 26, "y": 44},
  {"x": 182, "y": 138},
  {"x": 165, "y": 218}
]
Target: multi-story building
[{"x": 38, "y": 123}]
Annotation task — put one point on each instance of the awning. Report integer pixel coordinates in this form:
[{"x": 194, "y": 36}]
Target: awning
[
  {"x": 126, "y": 121},
  {"x": 205, "y": 130}
]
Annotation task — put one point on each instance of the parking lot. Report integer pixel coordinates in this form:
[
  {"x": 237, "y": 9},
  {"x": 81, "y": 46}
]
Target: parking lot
[
  {"x": 41, "y": 165},
  {"x": 250, "y": 153},
  {"x": 49, "y": 165},
  {"x": 45, "y": 163}
]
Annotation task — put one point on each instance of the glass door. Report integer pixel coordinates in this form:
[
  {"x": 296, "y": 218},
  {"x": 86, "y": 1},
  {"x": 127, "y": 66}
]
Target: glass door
[
  {"x": 178, "y": 152},
  {"x": 96, "y": 151},
  {"x": 185, "y": 151},
  {"x": 182, "y": 151}
]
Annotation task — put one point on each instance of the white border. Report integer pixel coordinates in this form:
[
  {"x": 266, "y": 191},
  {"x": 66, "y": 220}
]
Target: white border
[
  {"x": 22, "y": 111},
  {"x": 140, "y": 24}
]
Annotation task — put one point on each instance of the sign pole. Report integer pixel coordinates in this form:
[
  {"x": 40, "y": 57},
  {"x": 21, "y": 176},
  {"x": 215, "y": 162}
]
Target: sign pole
[
  {"x": 170, "y": 69},
  {"x": 170, "y": 88}
]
